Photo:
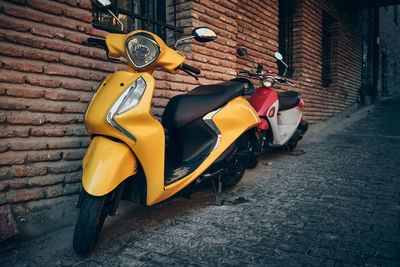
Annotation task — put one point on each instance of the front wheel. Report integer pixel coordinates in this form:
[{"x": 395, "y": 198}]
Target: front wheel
[
  {"x": 235, "y": 173},
  {"x": 91, "y": 218}
]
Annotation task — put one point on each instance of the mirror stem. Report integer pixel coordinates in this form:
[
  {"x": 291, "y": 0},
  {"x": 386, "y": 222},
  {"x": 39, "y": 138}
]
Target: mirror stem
[
  {"x": 182, "y": 40},
  {"x": 115, "y": 17},
  {"x": 286, "y": 69},
  {"x": 252, "y": 63}
]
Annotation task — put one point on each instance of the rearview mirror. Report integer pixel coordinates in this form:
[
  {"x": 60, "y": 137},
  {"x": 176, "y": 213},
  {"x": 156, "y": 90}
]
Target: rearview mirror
[
  {"x": 242, "y": 51},
  {"x": 103, "y": 3},
  {"x": 107, "y": 5},
  {"x": 204, "y": 34},
  {"x": 278, "y": 56}
]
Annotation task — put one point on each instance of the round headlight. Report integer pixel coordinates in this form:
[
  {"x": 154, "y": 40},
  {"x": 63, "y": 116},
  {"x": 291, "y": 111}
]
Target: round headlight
[
  {"x": 142, "y": 50},
  {"x": 268, "y": 81}
]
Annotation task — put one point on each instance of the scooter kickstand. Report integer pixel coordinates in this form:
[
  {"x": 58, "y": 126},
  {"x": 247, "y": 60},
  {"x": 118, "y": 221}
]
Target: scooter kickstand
[{"x": 217, "y": 192}]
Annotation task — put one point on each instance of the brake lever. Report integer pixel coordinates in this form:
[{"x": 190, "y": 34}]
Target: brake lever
[
  {"x": 290, "y": 83},
  {"x": 189, "y": 73}
]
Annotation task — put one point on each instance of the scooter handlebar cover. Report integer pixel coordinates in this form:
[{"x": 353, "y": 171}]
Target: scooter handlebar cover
[{"x": 106, "y": 164}]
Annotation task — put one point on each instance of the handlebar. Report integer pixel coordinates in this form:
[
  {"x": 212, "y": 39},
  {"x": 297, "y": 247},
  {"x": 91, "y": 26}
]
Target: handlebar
[
  {"x": 97, "y": 42},
  {"x": 190, "y": 68},
  {"x": 254, "y": 74}
]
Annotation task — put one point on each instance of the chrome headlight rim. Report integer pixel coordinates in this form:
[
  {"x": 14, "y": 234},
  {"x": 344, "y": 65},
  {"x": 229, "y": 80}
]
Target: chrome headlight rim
[
  {"x": 268, "y": 81},
  {"x": 147, "y": 37}
]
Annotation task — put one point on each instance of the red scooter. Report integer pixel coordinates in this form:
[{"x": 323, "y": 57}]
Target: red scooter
[{"x": 281, "y": 114}]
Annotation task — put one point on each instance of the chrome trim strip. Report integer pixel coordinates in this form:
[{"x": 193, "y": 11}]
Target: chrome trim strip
[
  {"x": 110, "y": 118},
  {"x": 208, "y": 119}
]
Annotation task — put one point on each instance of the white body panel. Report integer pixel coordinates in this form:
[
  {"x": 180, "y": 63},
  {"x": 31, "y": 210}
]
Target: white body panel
[{"x": 284, "y": 124}]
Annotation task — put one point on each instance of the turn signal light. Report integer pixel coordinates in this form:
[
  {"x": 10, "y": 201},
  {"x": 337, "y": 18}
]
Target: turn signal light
[{"x": 271, "y": 112}]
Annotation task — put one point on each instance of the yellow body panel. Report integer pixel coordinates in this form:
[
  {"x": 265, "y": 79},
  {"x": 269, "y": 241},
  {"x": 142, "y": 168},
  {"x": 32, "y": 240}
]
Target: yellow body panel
[{"x": 106, "y": 164}]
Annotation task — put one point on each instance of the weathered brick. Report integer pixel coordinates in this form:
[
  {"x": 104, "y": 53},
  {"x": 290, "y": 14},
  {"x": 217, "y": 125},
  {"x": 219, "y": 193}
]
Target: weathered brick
[
  {"x": 73, "y": 177},
  {"x": 44, "y": 180},
  {"x": 26, "y": 93},
  {"x": 18, "y": 144},
  {"x": 45, "y": 106},
  {"x": 35, "y": 54},
  {"x": 24, "y": 40},
  {"x": 85, "y": 4},
  {"x": 46, "y": 32},
  {"x": 70, "y": 2},
  {"x": 5, "y": 172},
  {"x": 29, "y": 170},
  {"x": 75, "y": 130},
  {"x": 96, "y": 32},
  {"x": 9, "y": 23},
  {"x": 43, "y": 156},
  {"x": 3, "y": 146},
  {"x": 61, "y": 96},
  {"x": 57, "y": 143},
  {"x": 62, "y": 118},
  {"x": 84, "y": 16},
  {"x": 22, "y": 66},
  {"x": 77, "y": 86},
  {"x": 26, "y": 194},
  {"x": 12, "y": 158},
  {"x": 47, "y": 131},
  {"x": 21, "y": 13},
  {"x": 4, "y": 186},
  {"x": 75, "y": 37},
  {"x": 64, "y": 167},
  {"x": 75, "y": 61},
  {"x": 62, "y": 71},
  {"x": 74, "y": 154},
  {"x": 12, "y": 78},
  {"x": 43, "y": 82},
  {"x": 25, "y": 118},
  {"x": 75, "y": 107},
  {"x": 14, "y": 131},
  {"x": 45, "y": 6},
  {"x": 13, "y": 103}
]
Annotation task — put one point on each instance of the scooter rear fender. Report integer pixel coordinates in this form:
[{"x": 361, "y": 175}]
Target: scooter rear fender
[{"x": 107, "y": 163}]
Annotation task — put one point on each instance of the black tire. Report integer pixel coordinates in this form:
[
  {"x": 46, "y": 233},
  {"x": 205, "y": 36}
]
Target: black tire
[
  {"x": 254, "y": 159},
  {"x": 234, "y": 174},
  {"x": 91, "y": 218}
]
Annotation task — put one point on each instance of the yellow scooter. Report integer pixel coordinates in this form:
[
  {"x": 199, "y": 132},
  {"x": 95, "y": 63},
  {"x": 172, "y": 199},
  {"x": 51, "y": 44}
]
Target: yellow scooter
[{"x": 210, "y": 133}]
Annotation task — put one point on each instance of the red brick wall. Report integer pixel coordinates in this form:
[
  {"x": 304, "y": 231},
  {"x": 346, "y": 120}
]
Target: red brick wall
[{"x": 47, "y": 78}]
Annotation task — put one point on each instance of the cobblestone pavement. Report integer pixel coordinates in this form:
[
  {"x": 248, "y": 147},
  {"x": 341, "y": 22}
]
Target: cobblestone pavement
[{"x": 337, "y": 204}]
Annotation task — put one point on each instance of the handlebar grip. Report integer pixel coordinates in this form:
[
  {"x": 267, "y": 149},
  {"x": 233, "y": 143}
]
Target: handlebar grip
[
  {"x": 253, "y": 74},
  {"x": 190, "y": 68},
  {"x": 97, "y": 41}
]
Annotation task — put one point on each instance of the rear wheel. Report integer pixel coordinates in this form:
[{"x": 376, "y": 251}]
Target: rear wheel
[{"x": 91, "y": 218}]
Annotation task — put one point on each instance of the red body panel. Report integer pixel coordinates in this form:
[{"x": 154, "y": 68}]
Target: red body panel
[
  {"x": 264, "y": 125},
  {"x": 262, "y": 100}
]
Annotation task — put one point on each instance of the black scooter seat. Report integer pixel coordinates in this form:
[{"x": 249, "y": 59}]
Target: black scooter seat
[
  {"x": 185, "y": 108},
  {"x": 288, "y": 100}
]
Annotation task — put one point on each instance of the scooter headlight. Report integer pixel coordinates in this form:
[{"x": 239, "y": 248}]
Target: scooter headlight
[
  {"x": 268, "y": 81},
  {"x": 142, "y": 49},
  {"x": 129, "y": 99}
]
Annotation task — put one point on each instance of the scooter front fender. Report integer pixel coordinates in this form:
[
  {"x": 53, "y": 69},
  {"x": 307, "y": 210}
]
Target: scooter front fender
[{"x": 106, "y": 164}]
